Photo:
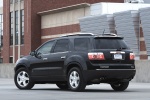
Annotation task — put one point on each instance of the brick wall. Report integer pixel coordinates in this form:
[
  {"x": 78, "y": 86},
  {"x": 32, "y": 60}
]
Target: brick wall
[
  {"x": 32, "y": 27},
  {"x": 6, "y": 30}
]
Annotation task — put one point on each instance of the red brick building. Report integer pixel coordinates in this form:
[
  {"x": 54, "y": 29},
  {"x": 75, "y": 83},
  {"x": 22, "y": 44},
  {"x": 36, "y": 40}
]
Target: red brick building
[{"x": 29, "y": 23}]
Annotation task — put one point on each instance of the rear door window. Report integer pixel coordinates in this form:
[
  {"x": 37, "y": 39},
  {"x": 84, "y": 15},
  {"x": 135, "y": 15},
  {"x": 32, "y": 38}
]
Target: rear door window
[
  {"x": 110, "y": 44},
  {"x": 81, "y": 44},
  {"x": 61, "y": 46}
]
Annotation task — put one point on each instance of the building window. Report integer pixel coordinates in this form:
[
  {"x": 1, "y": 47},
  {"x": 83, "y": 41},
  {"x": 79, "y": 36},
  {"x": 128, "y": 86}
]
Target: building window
[
  {"x": 11, "y": 29},
  {"x": 22, "y": 27},
  {"x": 1, "y": 60},
  {"x": 16, "y": 27},
  {"x": 10, "y": 59},
  {"x": 1, "y": 30},
  {"x": 11, "y": 1},
  {"x": 16, "y": 1}
]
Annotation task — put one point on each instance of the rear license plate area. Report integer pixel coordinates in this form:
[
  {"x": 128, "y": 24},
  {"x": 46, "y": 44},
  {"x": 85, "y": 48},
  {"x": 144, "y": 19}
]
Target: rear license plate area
[{"x": 117, "y": 56}]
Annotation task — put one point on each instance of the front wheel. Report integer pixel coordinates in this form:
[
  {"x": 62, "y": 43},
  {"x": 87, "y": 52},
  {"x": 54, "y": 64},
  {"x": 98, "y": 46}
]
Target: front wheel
[
  {"x": 76, "y": 81},
  {"x": 121, "y": 86},
  {"x": 22, "y": 79}
]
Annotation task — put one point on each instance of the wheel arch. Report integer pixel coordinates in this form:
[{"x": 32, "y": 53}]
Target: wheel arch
[
  {"x": 20, "y": 66},
  {"x": 75, "y": 61},
  {"x": 73, "y": 64}
]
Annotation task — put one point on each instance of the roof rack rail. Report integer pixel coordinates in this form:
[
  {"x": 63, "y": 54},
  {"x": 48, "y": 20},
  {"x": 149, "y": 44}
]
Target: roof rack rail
[
  {"x": 79, "y": 34},
  {"x": 109, "y": 34}
]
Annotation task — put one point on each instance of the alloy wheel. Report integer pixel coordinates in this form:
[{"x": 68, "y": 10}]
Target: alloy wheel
[
  {"x": 74, "y": 79},
  {"x": 23, "y": 79}
]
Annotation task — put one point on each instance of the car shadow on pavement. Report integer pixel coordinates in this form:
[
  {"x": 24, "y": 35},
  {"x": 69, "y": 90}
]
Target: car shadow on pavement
[
  {"x": 86, "y": 90},
  {"x": 102, "y": 90}
]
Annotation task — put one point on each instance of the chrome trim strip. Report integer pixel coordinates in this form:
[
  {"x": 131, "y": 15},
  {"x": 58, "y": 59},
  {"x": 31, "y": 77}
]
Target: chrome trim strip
[{"x": 113, "y": 52}]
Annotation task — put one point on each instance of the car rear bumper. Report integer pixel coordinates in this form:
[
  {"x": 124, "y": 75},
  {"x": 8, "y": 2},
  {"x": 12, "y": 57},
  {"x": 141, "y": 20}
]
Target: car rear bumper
[{"x": 106, "y": 75}]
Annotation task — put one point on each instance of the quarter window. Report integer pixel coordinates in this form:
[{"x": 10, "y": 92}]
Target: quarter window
[
  {"x": 81, "y": 44},
  {"x": 46, "y": 48},
  {"x": 62, "y": 46}
]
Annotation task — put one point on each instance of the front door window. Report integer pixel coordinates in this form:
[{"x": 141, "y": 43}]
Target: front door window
[{"x": 46, "y": 48}]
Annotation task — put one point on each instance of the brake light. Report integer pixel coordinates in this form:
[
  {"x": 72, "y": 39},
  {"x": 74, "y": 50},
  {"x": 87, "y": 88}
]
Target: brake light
[
  {"x": 96, "y": 56},
  {"x": 132, "y": 56}
]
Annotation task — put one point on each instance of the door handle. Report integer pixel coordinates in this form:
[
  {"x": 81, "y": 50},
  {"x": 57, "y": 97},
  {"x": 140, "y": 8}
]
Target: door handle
[
  {"x": 63, "y": 57},
  {"x": 44, "y": 58}
]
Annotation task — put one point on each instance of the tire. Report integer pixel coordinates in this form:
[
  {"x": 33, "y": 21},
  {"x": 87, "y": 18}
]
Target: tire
[
  {"x": 120, "y": 86},
  {"x": 76, "y": 81},
  {"x": 22, "y": 79},
  {"x": 62, "y": 86}
]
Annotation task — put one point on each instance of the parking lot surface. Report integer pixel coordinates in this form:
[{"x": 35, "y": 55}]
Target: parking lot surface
[{"x": 135, "y": 91}]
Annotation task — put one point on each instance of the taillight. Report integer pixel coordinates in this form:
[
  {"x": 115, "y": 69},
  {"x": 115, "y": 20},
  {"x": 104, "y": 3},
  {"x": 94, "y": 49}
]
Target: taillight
[
  {"x": 132, "y": 56},
  {"x": 96, "y": 56}
]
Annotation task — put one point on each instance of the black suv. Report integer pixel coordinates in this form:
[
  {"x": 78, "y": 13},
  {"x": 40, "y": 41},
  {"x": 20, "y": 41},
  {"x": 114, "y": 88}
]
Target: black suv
[{"x": 74, "y": 61}]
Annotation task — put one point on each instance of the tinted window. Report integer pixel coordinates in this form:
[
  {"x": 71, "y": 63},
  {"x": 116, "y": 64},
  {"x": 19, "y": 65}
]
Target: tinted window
[
  {"x": 81, "y": 44},
  {"x": 46, "y": 48},
  {"x": 110, "y": 44},
  {"x": 62, "y": 45}
]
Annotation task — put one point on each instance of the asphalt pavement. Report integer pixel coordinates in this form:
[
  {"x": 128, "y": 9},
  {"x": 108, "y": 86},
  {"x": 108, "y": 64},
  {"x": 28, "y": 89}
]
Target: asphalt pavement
[{"x": 135, "y": 91}]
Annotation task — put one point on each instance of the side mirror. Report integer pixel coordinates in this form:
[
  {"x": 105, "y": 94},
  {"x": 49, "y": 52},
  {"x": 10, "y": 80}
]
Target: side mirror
[
  {"x": 32, "y": 53},
  {"x": 38, "y": 55}
]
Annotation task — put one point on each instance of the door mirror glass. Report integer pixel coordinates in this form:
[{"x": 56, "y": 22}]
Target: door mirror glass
[
  {"x": 38, "y": 55},
  {"x": 32, "y": 53}
]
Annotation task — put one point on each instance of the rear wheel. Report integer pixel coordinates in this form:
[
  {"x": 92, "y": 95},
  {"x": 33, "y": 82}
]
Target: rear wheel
[
  {"x": 63, "y": 86},
  {"x": 76, "y": 81},
  {"x": 22, "y": 79},
  {"x": 121, "y": 86}
]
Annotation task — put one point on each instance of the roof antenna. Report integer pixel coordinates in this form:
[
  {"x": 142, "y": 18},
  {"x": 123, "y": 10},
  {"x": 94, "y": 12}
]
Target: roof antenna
[{"x": 103, "y": 32}]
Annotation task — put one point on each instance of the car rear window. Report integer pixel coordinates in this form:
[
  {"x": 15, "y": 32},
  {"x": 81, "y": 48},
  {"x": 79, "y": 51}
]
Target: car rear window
[{"x": 110, "y": 44}]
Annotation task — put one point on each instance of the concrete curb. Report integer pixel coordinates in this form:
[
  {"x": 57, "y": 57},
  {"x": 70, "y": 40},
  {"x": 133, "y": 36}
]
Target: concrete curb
[
  {"x": 7, "y": 70},
  {"x": 142, "y": 71}
]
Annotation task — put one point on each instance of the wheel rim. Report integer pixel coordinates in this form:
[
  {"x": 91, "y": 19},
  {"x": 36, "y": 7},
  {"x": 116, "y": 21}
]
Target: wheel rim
[
  {"x": 23, "y": 79},
  {"x": 74, "y": 79}
]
